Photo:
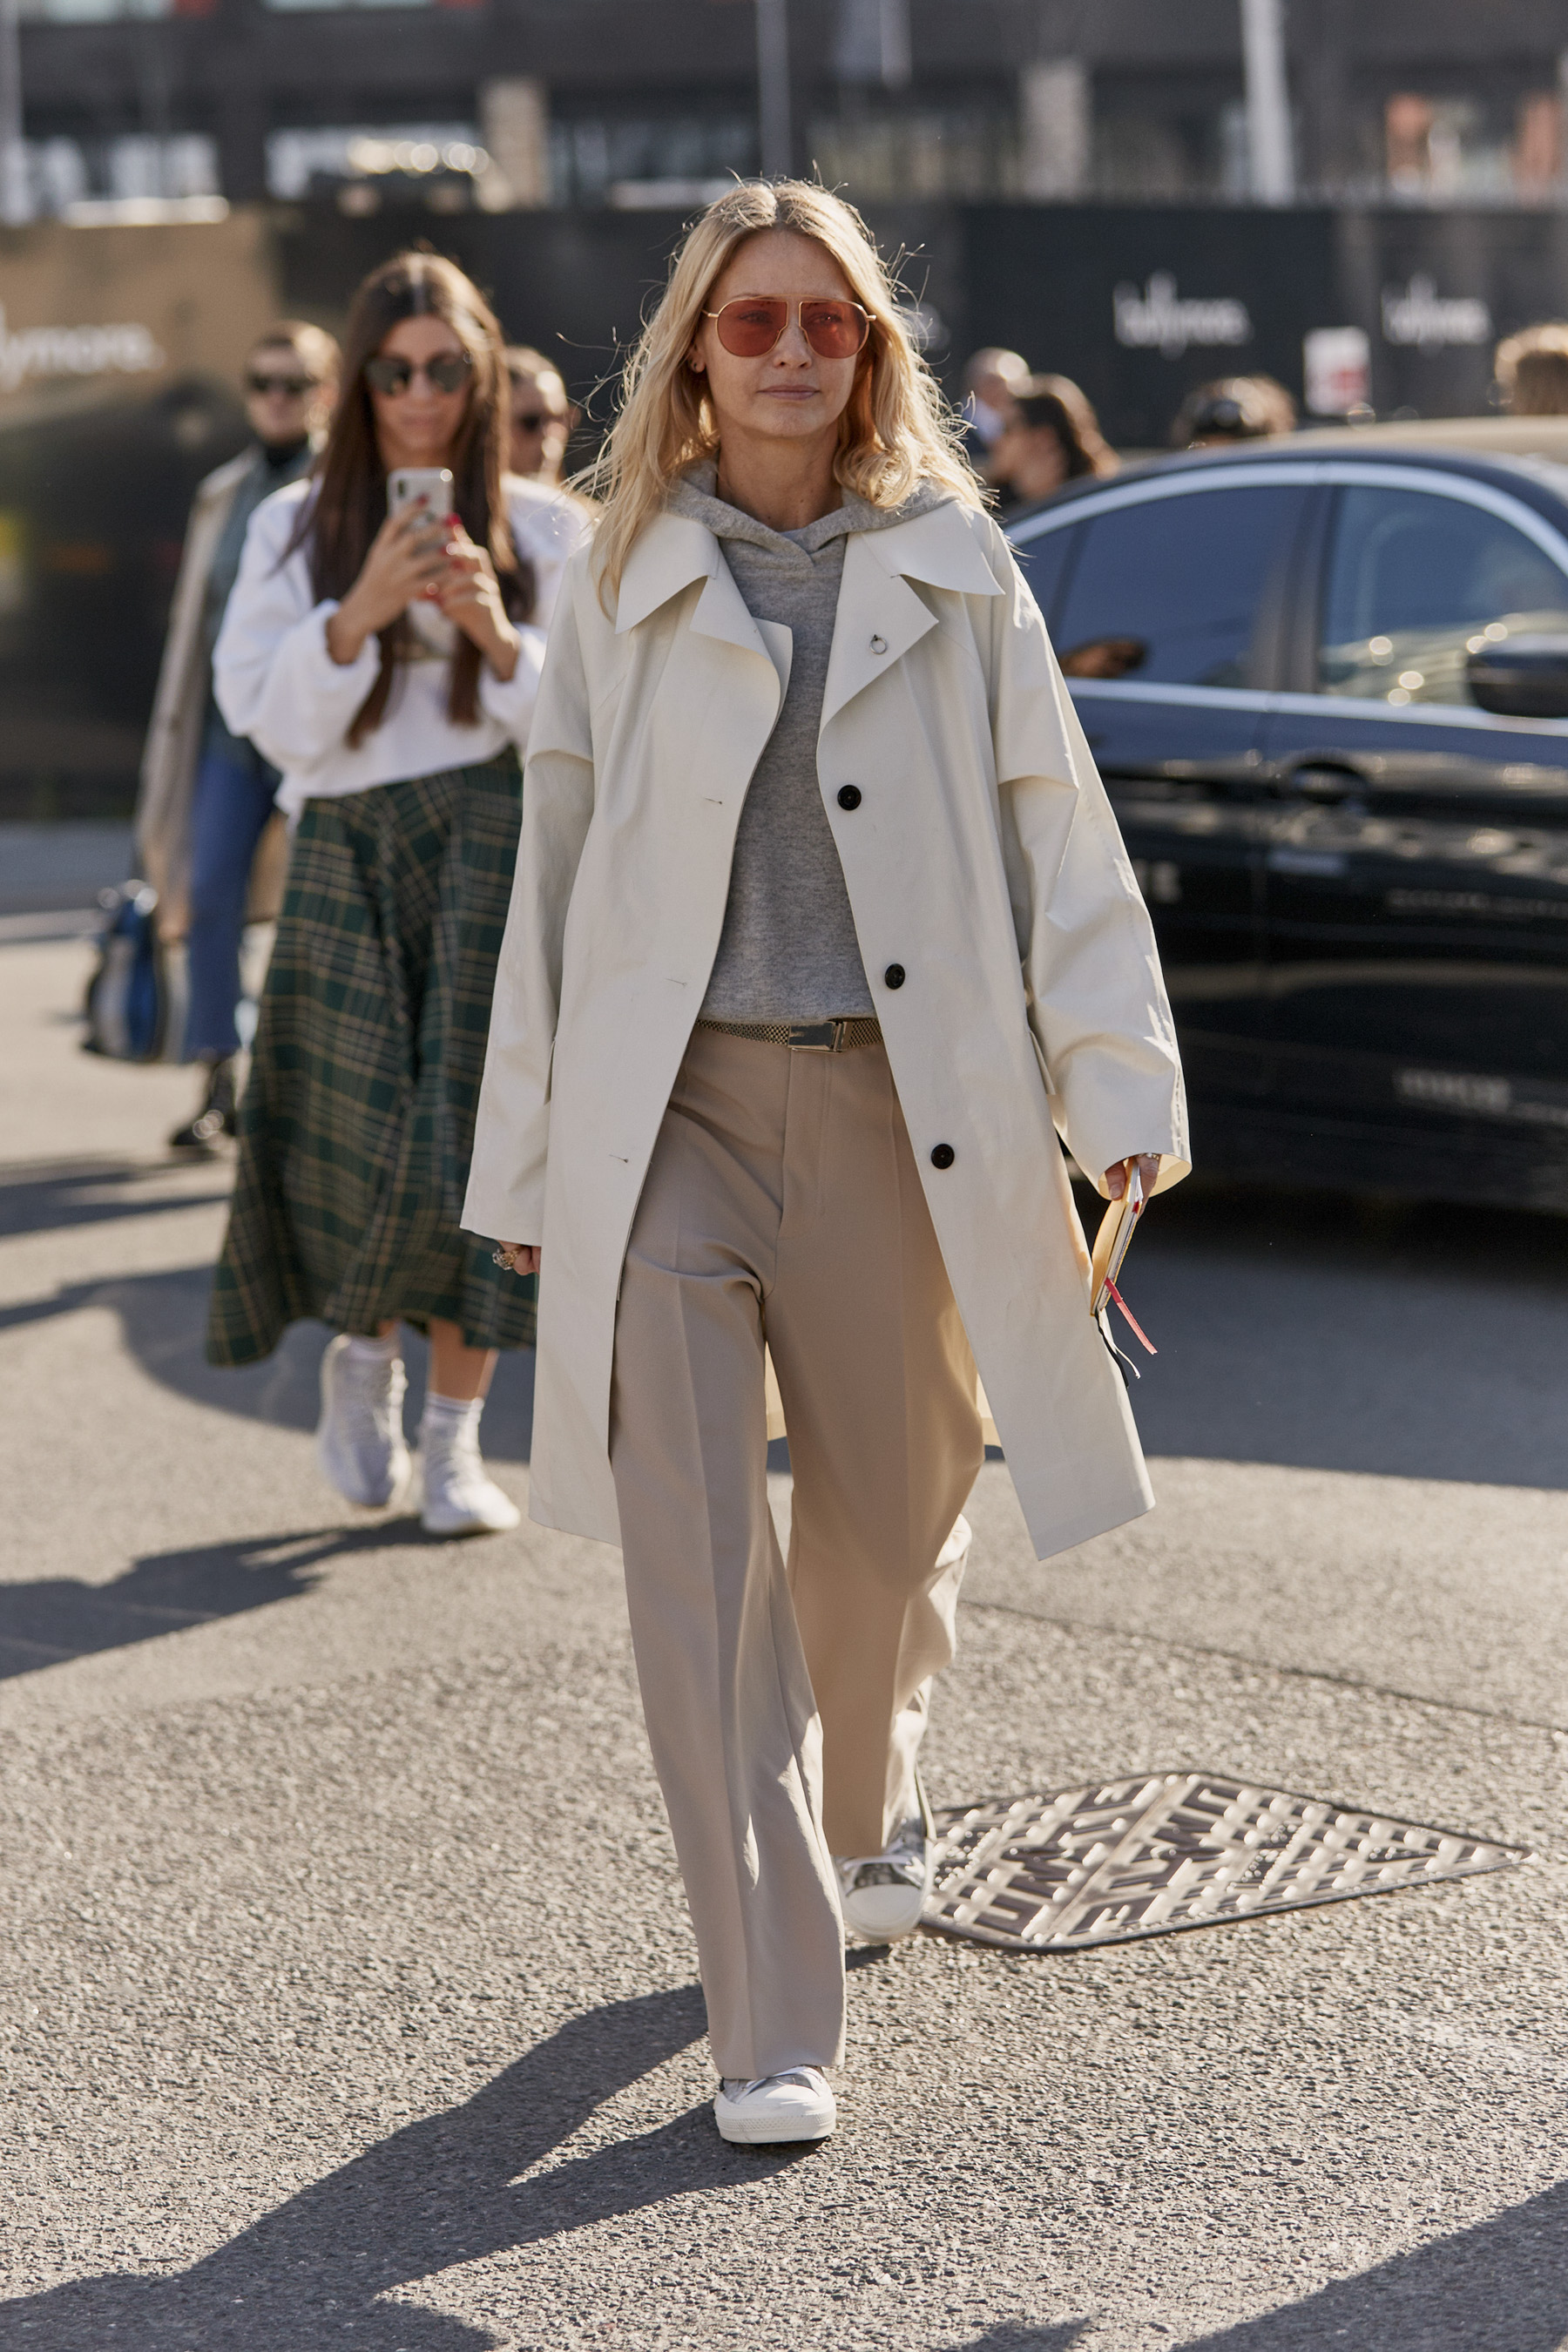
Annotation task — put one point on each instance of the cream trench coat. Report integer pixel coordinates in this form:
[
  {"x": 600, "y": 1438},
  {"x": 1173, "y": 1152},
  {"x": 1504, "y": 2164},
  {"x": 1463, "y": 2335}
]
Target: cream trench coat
[{"x": 983, "y": 857}]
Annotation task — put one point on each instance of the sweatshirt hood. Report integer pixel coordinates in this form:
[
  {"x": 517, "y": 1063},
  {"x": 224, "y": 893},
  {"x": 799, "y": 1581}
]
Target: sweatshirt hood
[{"x": 695, "y": 496}]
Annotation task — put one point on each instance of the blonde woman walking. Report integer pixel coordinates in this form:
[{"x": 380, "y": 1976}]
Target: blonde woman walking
[{"x": 822, "y": 934}]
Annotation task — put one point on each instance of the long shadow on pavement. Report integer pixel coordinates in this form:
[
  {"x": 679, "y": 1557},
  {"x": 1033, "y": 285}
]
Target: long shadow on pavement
[
  {"x": 1300, "y": 1329},
  {"x": 50, "y": 1196},
  {"x": 56, "y": 1618},
  {"x": 163, "y": 1317},
  {"x": 447, "y": 2190},
  {"x": 1402, "y": 1340},
  {"x": 1500, "y": 2287}
]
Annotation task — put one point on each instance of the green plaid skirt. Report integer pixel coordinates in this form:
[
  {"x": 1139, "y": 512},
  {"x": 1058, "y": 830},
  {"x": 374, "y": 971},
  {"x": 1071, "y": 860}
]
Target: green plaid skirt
[{"x": 357, "y": 1125}]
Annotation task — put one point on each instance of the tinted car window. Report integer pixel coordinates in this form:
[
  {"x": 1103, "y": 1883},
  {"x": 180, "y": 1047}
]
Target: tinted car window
[
  {"x": 1042, "y": 560},
  {"x": 1168, "y": 590},
  {"x": 1417, "y": 581}
]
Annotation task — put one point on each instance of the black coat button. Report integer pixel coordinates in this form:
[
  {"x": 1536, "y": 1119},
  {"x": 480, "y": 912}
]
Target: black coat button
[
  {"x": 894, "y": 975},
  {"x": 943, "y": 1156},
  {"x": 848, "y": 796}
]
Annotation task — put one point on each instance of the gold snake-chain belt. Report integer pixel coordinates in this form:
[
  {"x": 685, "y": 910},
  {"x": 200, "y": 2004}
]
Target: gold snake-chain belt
[{"x": 846, "y": 1036}]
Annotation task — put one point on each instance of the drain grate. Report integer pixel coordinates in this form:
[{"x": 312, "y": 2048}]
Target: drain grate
[{"x": 1112, "y": 1861}]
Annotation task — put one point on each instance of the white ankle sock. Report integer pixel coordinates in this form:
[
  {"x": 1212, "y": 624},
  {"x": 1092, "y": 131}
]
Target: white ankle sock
[
  {"x": 365, "y": 1350},
  {"x": 451, "y": 1413}
]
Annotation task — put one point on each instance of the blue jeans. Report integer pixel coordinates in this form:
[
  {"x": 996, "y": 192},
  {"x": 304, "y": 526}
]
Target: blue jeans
[{"x": 231, "y": 804}]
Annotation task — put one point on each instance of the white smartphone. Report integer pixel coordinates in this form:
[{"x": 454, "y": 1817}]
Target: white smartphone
[{"x": 429, "y": 487}]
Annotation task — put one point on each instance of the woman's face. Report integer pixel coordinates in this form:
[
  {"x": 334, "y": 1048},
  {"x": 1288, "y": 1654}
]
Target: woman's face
[
  {"x": 1030, "y": 458},
  {"x": 418, "y": 425},
  {"x": 791, "y": 393},
  {"x": 540, "y": 417}
]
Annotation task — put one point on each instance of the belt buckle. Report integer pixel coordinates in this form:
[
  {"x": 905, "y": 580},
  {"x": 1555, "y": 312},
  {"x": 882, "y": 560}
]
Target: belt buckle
[{"x": 816, "y": 1037}]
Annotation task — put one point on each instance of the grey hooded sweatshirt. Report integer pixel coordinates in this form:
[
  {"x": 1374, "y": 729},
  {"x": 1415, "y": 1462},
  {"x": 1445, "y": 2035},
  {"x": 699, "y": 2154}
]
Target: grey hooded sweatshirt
[{"x": 788, "y": 950}]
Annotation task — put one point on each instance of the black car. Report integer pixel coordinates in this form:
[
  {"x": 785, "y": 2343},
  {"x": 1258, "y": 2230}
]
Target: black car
[{"x": 1327, "y": 687}]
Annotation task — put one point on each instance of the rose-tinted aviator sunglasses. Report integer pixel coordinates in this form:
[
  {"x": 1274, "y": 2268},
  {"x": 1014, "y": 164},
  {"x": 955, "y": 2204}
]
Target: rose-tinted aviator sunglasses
[
  {"x": 448, "y": 371},
  {"x": 753, "y": 324}
]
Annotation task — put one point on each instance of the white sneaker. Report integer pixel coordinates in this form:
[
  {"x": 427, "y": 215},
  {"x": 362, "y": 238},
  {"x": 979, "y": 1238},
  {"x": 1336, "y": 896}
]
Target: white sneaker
[
  {"x": 459, "y": 1499},
  {"x": 360, "y": 1447},
  {"x": 883, "y": 1896},
  {"x": 775, "y": 2107}
]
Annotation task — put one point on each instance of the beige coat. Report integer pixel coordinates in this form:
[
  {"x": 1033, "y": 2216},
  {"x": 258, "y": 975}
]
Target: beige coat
[
  {"x": 178, "y": 714},
  {"x": 983, "y": 857}
]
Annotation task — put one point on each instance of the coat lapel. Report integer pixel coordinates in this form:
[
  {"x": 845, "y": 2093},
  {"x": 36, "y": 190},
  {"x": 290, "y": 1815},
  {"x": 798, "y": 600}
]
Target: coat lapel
[{"x": 880, "y": 616}]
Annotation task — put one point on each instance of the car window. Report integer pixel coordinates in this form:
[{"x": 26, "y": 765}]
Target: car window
[
  {"x": 1043, "y": 561},
  {"x": 1168, "y": 590},
  {"x": 1416, "y": 582}
]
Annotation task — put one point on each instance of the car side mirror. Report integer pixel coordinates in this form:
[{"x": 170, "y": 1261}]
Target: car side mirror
[{"x": 1521, "y": 678}]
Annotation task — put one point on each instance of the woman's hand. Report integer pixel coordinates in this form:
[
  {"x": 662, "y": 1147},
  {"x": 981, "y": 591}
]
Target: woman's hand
[
  {"x": 1148, "y": 1166},
  {"x": 469, "y": 593},
  {"x": 524, "y": 1257},
  {"x": 407, "y": 557}
]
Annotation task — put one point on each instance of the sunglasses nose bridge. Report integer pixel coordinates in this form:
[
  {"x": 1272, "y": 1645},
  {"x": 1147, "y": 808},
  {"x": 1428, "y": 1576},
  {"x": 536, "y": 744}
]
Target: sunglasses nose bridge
[{"x": 793, "y": 343}]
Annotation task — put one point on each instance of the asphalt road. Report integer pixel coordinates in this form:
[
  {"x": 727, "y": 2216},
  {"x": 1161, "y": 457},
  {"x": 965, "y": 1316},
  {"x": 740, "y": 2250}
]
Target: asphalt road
[{"x": 346, "y": 1993}]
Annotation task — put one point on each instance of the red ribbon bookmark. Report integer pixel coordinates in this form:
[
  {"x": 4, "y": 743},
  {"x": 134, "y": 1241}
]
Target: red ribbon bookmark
[{"x": 1138, "y": 1331}]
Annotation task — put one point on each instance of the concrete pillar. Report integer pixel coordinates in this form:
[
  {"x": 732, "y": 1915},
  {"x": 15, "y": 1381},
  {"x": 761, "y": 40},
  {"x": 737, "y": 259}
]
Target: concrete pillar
[
  {"x": 514, "y": 123},
  {"x": 775, "y": 133},
  {"x": 871, "y": 43},
  {"x": 1268, "y": 138},
  {"x": 1055, "y": 119}
]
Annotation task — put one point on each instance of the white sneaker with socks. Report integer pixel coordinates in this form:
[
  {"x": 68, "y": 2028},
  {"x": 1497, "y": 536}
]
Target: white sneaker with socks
[
  {"x": 360, "y": 1446},
  {"x": 459, "y": 1498},
  {"x": 775, "y": 2107}
]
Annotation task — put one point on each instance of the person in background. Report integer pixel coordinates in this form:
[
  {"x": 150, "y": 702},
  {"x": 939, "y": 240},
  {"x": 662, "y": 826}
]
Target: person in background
[
  {"x": 541, "y": 416},
  {"x": 1233, "y": 408},
  {"x": 1052, "y": 436},
  {"x": 1531, "y": 371},
  {"x": 988, "y": 382},
  {"x": 387, "y": 665},
  {"x": 207, "y": 794}
]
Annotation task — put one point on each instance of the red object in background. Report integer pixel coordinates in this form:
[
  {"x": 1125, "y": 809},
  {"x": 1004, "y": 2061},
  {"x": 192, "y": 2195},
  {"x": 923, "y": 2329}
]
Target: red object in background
[{"x": 193, "y": 7}]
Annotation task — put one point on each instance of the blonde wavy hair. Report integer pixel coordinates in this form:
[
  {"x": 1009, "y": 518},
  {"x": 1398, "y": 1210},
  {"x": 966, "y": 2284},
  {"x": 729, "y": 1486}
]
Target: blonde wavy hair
[{"x": 896, "y": 433}]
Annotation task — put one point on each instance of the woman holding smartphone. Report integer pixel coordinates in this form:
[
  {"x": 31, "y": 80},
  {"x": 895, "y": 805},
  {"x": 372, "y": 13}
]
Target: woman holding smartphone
[
  {"x": 823, "y": 935},
  {"x": 388, "y": 663}
]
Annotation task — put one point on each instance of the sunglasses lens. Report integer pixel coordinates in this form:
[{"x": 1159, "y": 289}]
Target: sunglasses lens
[
  {"x": 295, "y": 386},
  {"x": 388, "y": 376},
  {"x": 751, "y": 326},
  {"x": 836, "y": 330},
  {"x": 449, "y": 370}
]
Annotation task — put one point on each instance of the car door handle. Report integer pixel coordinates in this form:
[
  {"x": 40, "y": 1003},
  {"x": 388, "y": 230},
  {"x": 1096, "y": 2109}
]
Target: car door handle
[{"x": 1326, "y": 781}]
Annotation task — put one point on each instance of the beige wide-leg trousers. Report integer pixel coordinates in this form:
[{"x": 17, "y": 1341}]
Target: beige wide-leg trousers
[{"x": 785, "y": 1704}]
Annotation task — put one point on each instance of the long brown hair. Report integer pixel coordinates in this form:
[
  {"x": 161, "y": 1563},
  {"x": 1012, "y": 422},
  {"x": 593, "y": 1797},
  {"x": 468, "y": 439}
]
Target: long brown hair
[
  {"x": 349, "y": 506},
  {"x": 1056, "y": 401}
]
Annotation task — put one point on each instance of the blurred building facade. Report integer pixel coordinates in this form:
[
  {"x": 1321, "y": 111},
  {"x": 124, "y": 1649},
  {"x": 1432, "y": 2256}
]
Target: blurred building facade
[{"x": 495, "y": 103}]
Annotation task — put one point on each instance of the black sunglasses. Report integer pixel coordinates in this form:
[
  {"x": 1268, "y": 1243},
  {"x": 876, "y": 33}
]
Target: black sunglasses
[
  {"x": 536, "y": 420},
  {"x": 448, "y": 371},
  {"x": 294, "y": 387}
]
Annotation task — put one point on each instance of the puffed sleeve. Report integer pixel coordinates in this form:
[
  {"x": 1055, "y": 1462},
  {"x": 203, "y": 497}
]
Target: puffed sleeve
[
  {"x": 274, "y": 680},
  {"x": 511, "y": 701},
  {"x": 1097, "y": 998},
  {"x": 505, "y": 1182}
]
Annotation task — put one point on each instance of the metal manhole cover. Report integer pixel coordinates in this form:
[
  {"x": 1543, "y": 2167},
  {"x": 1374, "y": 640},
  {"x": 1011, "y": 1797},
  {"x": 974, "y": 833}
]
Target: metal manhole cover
[{"x": 1110, "y": 1862}]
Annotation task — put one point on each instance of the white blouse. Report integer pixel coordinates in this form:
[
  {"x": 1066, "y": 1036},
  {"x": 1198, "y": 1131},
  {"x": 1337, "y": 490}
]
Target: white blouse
[{"x": 277, "y": 684}]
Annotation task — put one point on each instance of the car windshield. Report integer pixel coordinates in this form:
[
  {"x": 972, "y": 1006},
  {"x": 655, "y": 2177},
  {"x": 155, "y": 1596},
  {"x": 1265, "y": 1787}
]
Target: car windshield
[{"x": 1417, "y": 584}]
